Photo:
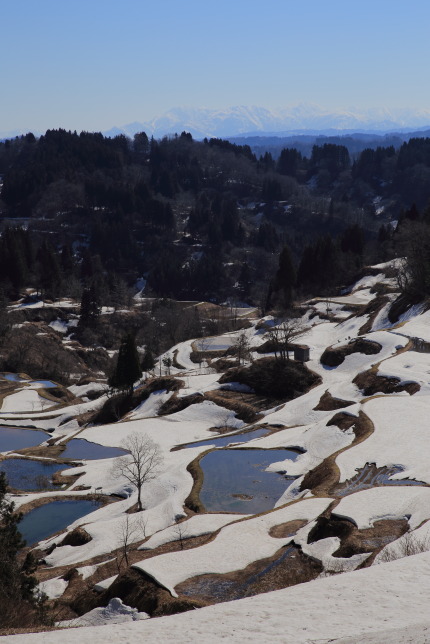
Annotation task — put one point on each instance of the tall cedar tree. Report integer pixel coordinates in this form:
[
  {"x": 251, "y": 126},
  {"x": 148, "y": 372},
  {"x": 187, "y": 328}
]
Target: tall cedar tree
[
  {"x": 17, "y": 602},
  {"x": 285, "y": 278},
  {"x": 90, "y": 308},
  {"x": 127, "y": 369},
  {"x": 148, "y": 360}
]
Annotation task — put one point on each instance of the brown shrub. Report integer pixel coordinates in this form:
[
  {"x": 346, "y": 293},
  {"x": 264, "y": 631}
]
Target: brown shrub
[{"x": 278, "y": 379}]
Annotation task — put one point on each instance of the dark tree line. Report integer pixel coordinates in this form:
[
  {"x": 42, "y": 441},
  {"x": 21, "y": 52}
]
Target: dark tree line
[{"x": 201, "y": 220}]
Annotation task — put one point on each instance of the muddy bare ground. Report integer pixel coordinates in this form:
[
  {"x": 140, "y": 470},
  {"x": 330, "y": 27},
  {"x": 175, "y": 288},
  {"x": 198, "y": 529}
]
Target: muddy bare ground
[{"x": 354, "y": 541}]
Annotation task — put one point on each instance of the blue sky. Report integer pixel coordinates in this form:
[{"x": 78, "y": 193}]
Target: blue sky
[{"x": 92, "y": 64}]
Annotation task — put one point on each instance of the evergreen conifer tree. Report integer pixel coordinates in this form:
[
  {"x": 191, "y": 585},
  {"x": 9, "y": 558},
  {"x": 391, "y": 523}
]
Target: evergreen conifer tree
[
  {"x": 18, "y": 604},
  {"x": 128, "y": 368},
  {"x": 90, "y": 309},
  {"x": 285, "y": 278},
  {"x": 148, "y": 361}
]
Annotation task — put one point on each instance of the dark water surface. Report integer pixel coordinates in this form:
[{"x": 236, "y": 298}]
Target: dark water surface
[
  {"x": 222, "y": 441},
  {"x": 25, "y": 474},
  {"x": 79, "y": 448},
  {"x": 236, "y": 481},
  {"x": 40, "y": 523},
  {"x": 14, "y": 438}
]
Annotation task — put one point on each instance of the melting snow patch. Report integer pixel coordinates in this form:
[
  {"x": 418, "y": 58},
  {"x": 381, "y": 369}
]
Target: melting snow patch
[{"x": 114, "y": 613}]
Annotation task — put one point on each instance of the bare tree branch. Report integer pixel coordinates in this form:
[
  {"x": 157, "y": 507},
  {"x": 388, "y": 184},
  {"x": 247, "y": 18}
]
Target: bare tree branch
[{"x": 141, "y": 465}]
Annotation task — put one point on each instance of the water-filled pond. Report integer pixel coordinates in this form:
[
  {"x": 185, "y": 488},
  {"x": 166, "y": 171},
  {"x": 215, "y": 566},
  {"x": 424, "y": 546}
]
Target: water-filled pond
[
  {"x": 26, "y": 474},
  {"x": 14, "y": 438},
  {"x": 222, "y": 441},
  {"x": 40, "y": 523},
  {"x": 13, "y": 377},
  {"x": 79, "y": 448},
  {"x": 46, "y": 384},
  {"x": 236, "y": 480}
]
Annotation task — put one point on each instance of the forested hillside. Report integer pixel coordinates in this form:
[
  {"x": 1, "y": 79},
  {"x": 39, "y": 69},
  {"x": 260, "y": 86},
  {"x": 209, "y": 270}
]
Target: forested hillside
[{"x": 198, "y": 220}]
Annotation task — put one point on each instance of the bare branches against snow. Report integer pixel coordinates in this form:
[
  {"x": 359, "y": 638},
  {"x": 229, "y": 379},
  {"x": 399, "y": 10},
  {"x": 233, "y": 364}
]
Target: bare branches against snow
[{"x": 141, "y": 465}]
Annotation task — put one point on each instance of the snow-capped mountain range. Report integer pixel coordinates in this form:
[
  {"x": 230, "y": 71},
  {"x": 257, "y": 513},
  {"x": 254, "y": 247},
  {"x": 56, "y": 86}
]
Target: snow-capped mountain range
[{"x": 243, "y": 120}]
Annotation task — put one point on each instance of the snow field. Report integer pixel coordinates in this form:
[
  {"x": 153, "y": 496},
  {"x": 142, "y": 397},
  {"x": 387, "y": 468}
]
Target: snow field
[
  {"x": 400, "y": 437},
  {"x": 196, "y": 526},
  {"x": 24, "y": 401},
  {"x": 390, "y": 502},
  {"x": 409, "y": 366},
  {"x": 366, "y": 605},
  {"x": 352, "y": 604}
]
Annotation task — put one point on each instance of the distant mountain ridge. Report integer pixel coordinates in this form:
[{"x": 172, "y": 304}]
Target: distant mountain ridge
[
  {"x": 251, "y": 121},
  {"x": 300, "y": 119}
]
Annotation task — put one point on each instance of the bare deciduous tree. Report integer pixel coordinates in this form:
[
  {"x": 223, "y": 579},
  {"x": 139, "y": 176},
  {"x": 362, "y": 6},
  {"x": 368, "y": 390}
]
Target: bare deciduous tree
[
  {"x": 181, "y": 532},
  {"x": 141, "y": 465},
  {"x": 129, "y": 531},
  {"x": 407, "y": 545},
  {"x": 283, "y": 334},
  {"x": 242, "y": 347}
]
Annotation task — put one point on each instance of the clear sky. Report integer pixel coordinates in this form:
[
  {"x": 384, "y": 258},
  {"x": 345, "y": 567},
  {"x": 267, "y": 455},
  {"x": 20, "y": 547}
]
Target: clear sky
[{"x": 93, "y": 64}]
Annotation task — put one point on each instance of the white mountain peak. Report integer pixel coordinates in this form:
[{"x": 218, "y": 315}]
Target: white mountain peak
[{"x": 253, "y": 119}]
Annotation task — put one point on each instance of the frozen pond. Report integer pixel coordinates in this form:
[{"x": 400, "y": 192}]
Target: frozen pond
[
  {"x": 236, "y": 480},
  {"x": 15, "y": 438},
  {"x": 40, "y": 523},
  {"x": 79, "y": 448},
  {"x": 26, "y": 474}
]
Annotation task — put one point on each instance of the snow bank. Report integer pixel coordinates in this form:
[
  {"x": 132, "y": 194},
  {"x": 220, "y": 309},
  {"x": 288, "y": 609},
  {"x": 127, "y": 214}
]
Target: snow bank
[
  {"x": 400, "y": 437},
  {"x": 114, "y": 613},
  {"x": 363, "y": 606},
  {"x": 390, "y": 502},
  {"x": 196, "y": 526},
  {"x": 25, "y": 400}
]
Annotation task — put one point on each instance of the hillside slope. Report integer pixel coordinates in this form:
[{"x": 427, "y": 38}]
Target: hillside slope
[{"x": 255, "y": 493}]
